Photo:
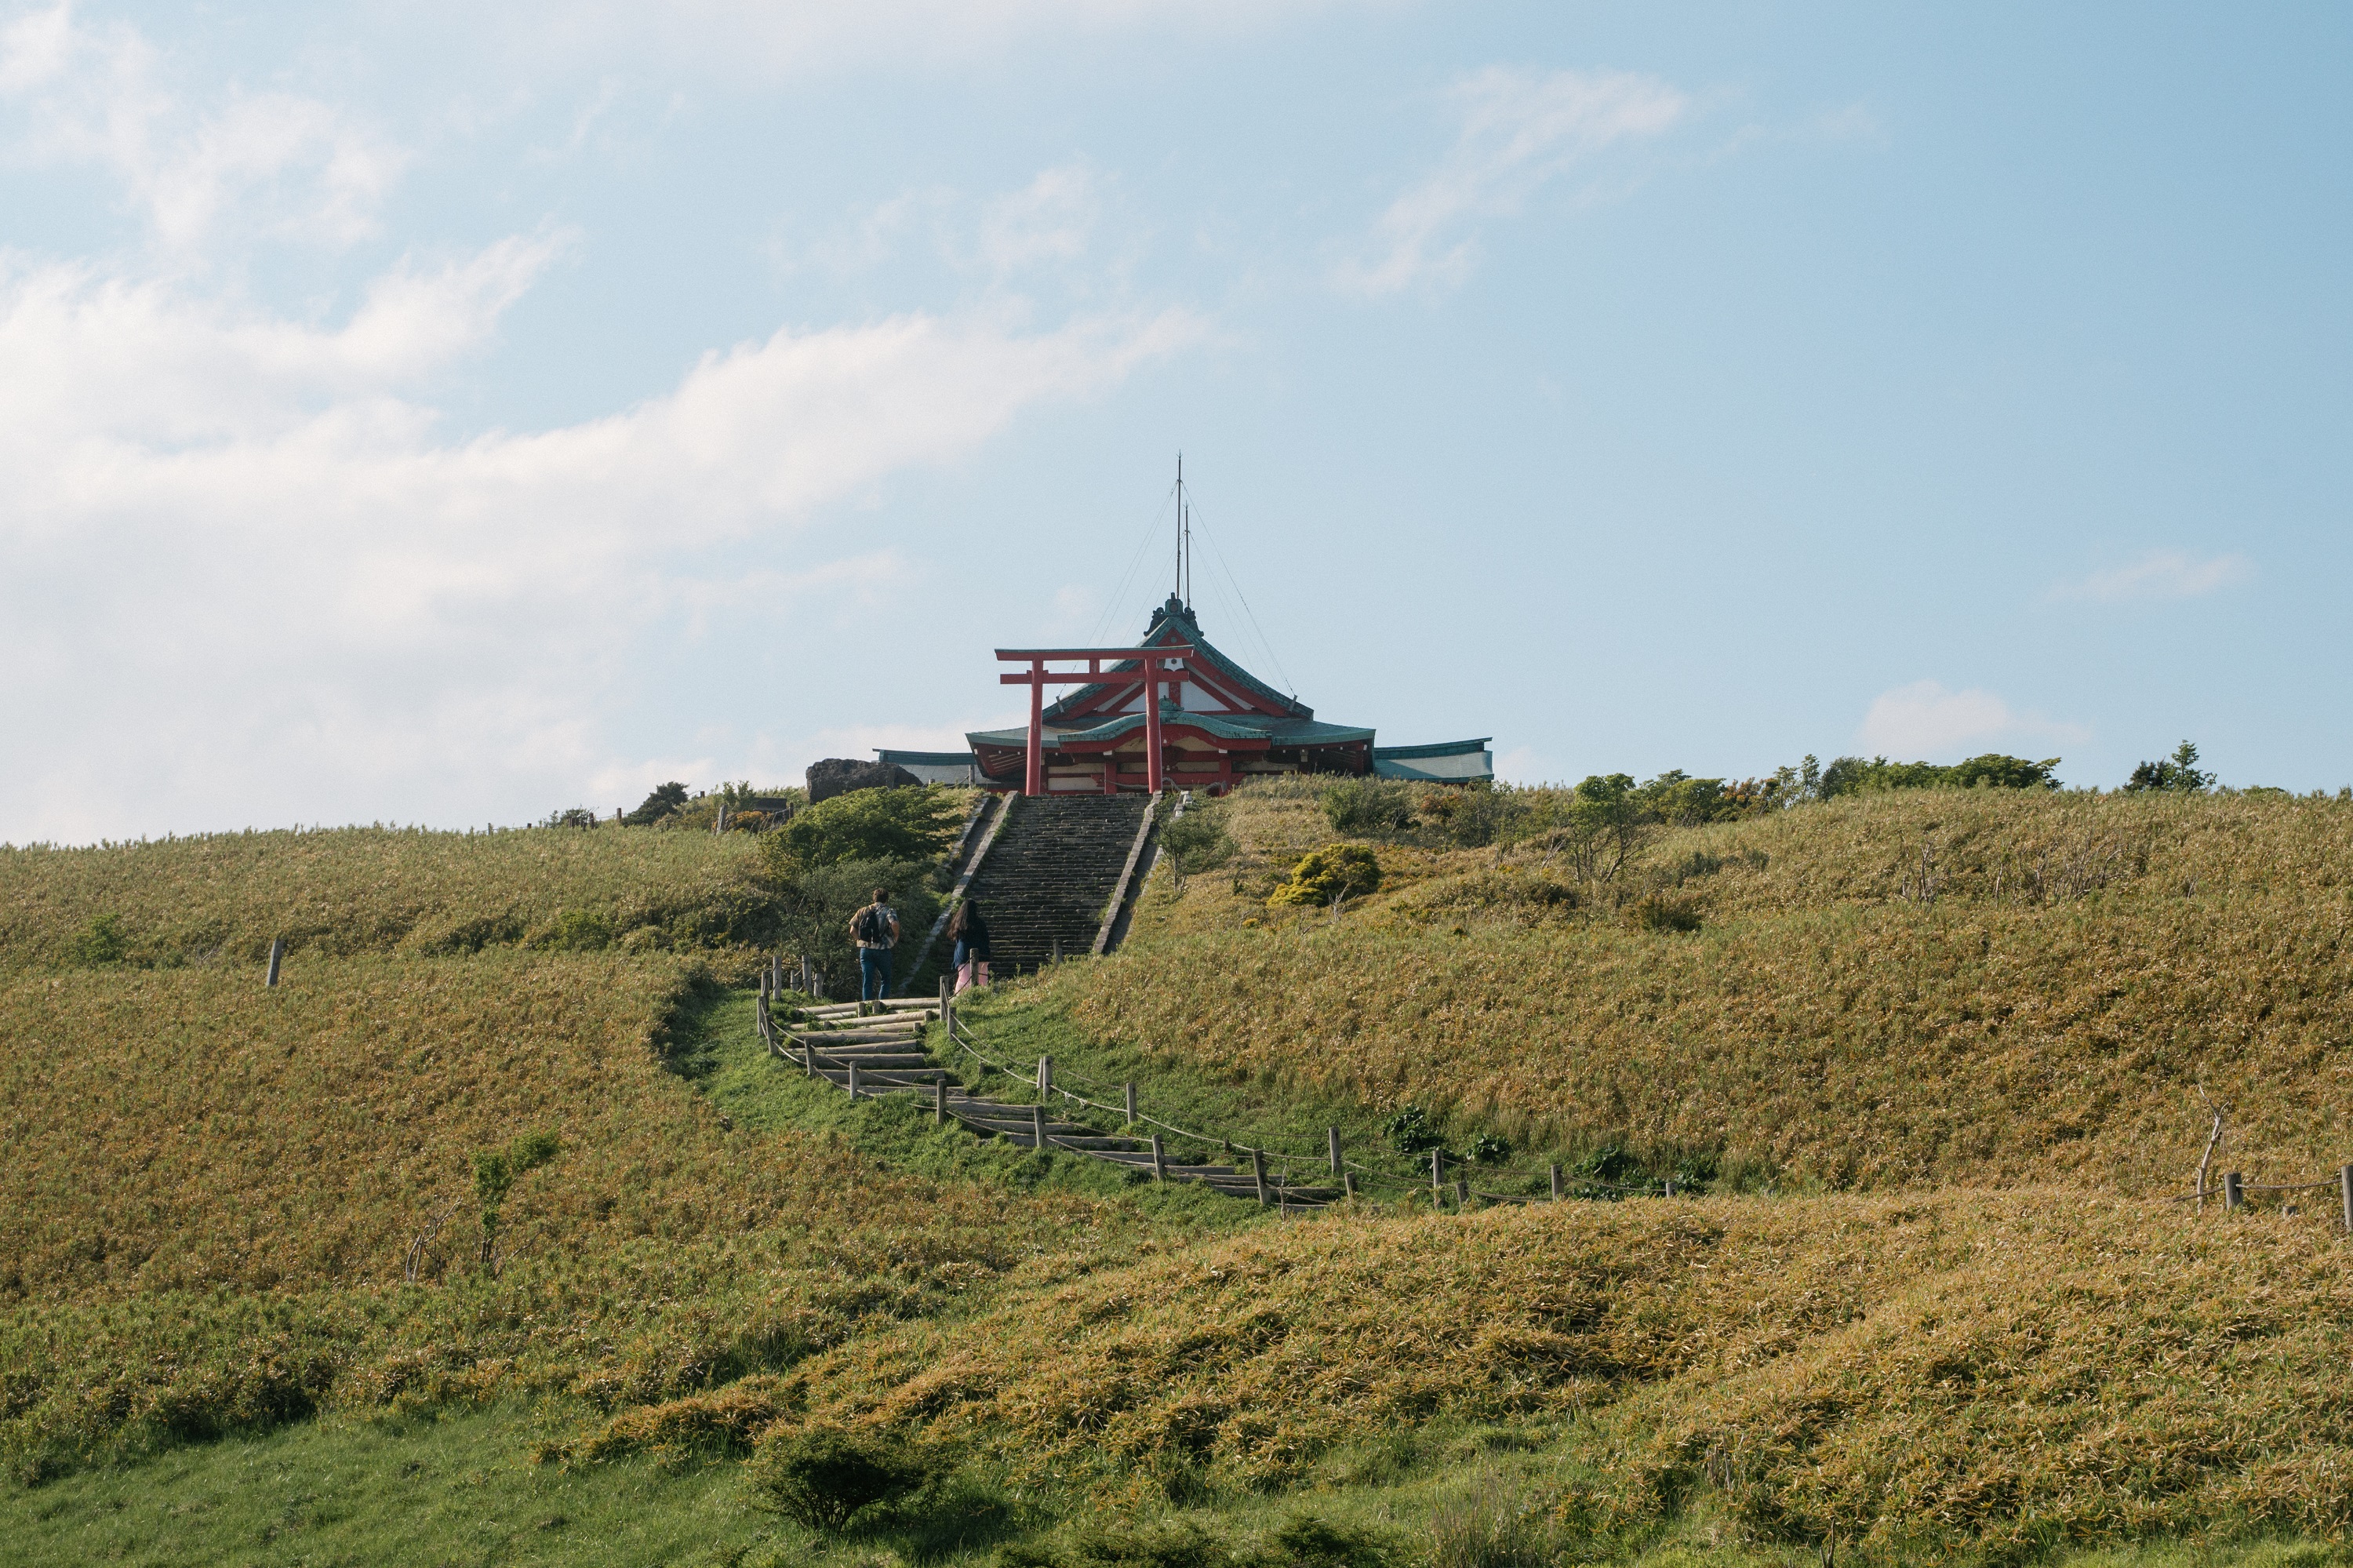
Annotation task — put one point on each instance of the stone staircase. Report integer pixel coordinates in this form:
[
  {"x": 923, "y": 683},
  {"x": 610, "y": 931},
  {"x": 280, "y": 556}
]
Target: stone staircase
[
  {"x": 1048, "y": 880},
  {"x": 884, "y": 1054}
]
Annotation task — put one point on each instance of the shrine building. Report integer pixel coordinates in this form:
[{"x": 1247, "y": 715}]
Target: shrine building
[{"x": 1217, "y": 725}]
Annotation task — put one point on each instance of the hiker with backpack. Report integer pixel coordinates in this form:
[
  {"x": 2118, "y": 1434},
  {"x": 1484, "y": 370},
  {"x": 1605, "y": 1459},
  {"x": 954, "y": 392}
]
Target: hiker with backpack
[
  {"x": 875, "y": 929},
  {"x": 969, "y": 932}
]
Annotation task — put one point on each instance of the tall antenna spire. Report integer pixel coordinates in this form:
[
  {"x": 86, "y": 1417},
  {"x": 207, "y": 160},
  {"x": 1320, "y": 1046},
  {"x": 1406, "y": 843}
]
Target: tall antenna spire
[{"x": 1183, "y": 594}]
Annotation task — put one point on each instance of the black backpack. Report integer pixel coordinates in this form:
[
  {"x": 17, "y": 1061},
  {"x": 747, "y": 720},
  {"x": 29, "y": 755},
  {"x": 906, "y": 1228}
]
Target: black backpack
[{"x": 873, "y": 926}]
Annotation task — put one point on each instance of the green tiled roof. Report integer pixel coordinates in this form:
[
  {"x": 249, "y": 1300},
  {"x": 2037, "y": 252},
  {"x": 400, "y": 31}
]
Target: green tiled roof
[
  {"x": 1226, "y": 726},
  {"x": 1176, "y": 615}
]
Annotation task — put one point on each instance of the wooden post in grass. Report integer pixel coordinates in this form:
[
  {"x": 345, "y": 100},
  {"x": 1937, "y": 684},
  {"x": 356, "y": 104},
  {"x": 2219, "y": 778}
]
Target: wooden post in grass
[
  {"x": 940, "y": 1101},
  {"x": 947, "y": 1002},
  {"x": 277, "y": 954},
  {"x": 1058, "y": 950},
  {"x": 1159, "y": 1160},
  {"x": 853, "y": 1080},
  {"x": 1670, "y": 1186},
  {"x": 1258, "y": 1170},
  {"x": 1348, "y": 1182},
  {"x": 1556, "y": 1183},
  {"x": 1037, "y": 1127},
  {"x": 2345, "y": 1189},
  {"x": 1438, "y": 1179},
  {"x": 1045, "y": 1076},
  {"x": 2233, "y": 1197},
  {"x": 1130, "y": 1089},
  {"x": 1333, "y": 1135},
  {"x": 1462, "y": 1193},
  {"x": 809, "y": 1058}
]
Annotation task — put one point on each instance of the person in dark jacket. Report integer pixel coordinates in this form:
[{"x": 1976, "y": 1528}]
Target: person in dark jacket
[
  {"x": 969, "y": 931},
  {"x": 875, "y": 931}
]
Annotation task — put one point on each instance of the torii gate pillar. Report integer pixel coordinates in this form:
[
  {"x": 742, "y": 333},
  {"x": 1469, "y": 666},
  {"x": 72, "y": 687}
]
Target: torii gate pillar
[{"x": 1150, "y": 672}]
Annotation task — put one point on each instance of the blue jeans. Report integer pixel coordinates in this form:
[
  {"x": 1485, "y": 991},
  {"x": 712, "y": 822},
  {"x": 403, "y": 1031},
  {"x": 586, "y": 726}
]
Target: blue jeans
[{"x": 874, "y": 973}]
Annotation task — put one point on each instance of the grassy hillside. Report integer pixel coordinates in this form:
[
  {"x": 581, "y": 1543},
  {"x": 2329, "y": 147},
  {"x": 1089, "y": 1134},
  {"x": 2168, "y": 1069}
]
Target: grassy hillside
[
  {"x": 2083, "y": 966},
  {"x": 1971, "y": 1340},
  {"x": 219, "y": 899},
  {"x": 1939, "y": 1377}
]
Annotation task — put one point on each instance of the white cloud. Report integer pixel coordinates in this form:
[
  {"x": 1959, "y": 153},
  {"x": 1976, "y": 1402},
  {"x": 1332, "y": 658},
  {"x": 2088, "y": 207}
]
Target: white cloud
[
  {"x": 1520, "y": 131},
  {"x": 768, "y": 38},
  {"x": 1052, "y": 221},
  {"x": 1925, "y": 720},
  {"x": 288, "y": 165},
  {"x": 2161, "y": 574},
  {"x": 244, "y": 576}
]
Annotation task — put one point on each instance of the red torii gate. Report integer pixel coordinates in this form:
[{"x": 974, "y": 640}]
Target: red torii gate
[{"x": 1148, "y": 673}]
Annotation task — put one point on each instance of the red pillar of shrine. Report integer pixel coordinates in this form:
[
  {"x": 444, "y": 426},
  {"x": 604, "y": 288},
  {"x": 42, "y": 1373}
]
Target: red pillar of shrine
[
  {"x": 1152, "y": 723},
  {"x": 1035, "y": 781}
]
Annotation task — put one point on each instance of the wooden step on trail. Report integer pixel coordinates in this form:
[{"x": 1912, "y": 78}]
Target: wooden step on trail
[{"x": 898, "y": 1064}]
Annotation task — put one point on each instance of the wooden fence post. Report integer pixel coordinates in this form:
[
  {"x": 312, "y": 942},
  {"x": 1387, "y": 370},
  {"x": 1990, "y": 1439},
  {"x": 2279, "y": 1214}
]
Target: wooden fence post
[
  {"x": 1037, "y": 1127},
  {"x": 947, "y": 998},
  {"x": 1130, "y": 1089},
  {"x": 1258, "y": 1170},
  {"x": 1058, "y": 950},
  {"x": 2233, "y": 1197},
  {"x": 1462, "y": 1193},
  {"x": 2345, "y": 1187},
  {"x": 853, "y": 1080},
  {"x": 940, "y": 1101},
  {"x": 277, "y": 952},
  {"x": 1556, "y": 1183},
  {"x": 1333, "y": 1135},
  {"x": 1438, "y": 1178},
  {"x": 809, "y": 1058},
  {"x": 1045, "y": 1074},
  {"x": 1159, "y": 1160},
  {"x": 1348, "y": 1182}
]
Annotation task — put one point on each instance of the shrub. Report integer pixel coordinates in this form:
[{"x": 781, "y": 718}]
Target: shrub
[
  {"x": 1371, "y": 805},
  {"x": 1490, "y": 1526},
  {"x": 572, "y": 817},
  {"x": 1655, "y": 913},
  {"x": 822, "y": 1477},
  {"x": 579, "y": 931},
  {"x": 1488, "y": 1149},
  {"x": 1410, "y": 1132},
  {"x": 99, "y": 942},
  {"x": 1853, "y": 776},
  {"x": 867, "y": 824},
  {"x": 1335, "y": 871},
  {"x": 665, "y": 799}
]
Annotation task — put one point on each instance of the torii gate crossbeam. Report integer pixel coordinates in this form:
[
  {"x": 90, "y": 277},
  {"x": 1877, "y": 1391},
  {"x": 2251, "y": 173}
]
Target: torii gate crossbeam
[{"x": 1151, "y": 670}]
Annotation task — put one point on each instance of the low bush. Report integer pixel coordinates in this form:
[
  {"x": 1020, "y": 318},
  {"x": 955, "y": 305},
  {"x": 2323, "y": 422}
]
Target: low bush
[
  {"x": 866, "y": 825},
  {"x": 1371, "y": 806},
  {"x": 99, "y": 943},
  {"x": 1332, "y": 873},
  {"x": 823, "y": 1477}
]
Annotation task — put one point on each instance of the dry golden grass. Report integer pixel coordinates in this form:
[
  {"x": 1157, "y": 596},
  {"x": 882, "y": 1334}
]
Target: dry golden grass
[
  {"x": 2086, "y": 965},
  {"x": 220, "y": 898},
  {"x": 210, "y": 1188},
  {"x": 1994, "y": 1374}
]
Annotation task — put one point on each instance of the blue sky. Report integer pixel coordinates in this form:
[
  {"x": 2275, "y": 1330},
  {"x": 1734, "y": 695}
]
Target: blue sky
[{"x": 440, "y": 414}]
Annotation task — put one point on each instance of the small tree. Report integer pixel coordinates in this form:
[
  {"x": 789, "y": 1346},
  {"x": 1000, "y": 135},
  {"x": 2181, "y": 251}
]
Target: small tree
[
  {"x": 665, "y": 799},
  {"x": 2178, "y": 774},
  {"x": 495, "y": 1173},
  {"x": 1195, "y": 842}
]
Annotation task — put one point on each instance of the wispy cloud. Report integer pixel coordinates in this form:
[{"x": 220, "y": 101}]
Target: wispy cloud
[
  {"x": 1520, "y": 131},
  {"x": 2161, "y": 574},
  {"x": 288, "y": 165},
  {"x": 313, "y": 600},
  {"x": 1926, "y": 720}
]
